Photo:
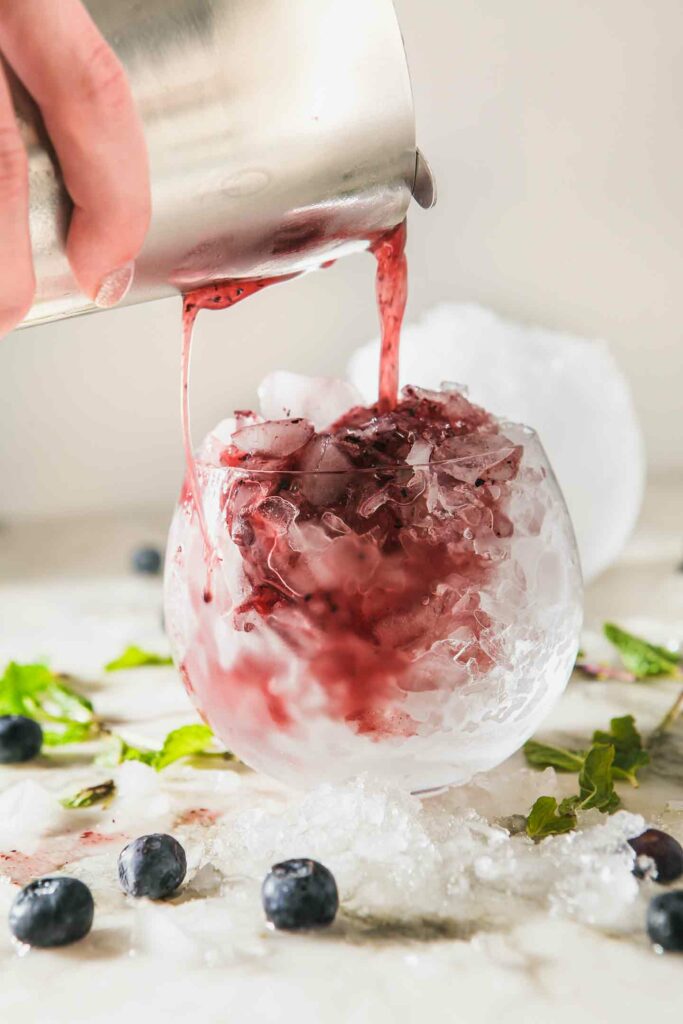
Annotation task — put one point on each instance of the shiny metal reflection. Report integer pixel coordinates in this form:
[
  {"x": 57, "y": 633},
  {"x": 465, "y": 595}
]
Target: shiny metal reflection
[{"x": 281, "y": 135}]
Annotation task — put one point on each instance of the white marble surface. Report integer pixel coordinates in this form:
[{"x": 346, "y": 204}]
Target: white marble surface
[{"x": 65, "y": 595}]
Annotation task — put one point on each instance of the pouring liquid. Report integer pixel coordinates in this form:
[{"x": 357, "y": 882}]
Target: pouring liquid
[{"x": 391, "y": 285}]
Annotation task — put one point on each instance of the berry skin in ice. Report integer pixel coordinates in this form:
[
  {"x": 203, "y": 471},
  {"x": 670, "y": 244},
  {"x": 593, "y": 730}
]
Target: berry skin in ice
[
  {"x": 665, "y": 921},
  {"x": 52, "y": 912},
  {"x": 664, "y": 850},
  {"x": 20, "y": 739},
  {"x": 152, "y": 866},
  {"x": 300, "y": 894},
  {"x": 147, "y": 561}
]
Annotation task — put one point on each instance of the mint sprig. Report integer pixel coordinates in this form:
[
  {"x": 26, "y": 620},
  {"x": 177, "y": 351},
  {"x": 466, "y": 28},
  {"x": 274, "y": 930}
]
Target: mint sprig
[
  {"x": 136, "y": 657},
  {"x": 187, "y": 741},
  {"x": 547, "y": 819},
  {"x": 542, "y": 755},
  {"x": 34, "y": 691},
  {"x": 629, "y": 753},
  {"x": 615, "y": 754},
  {"x": 643, "y": 659},
  {"x": 596, "y": 781}
]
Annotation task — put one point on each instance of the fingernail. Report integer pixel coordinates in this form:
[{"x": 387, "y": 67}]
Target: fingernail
[{"x": 115, "y": 286}]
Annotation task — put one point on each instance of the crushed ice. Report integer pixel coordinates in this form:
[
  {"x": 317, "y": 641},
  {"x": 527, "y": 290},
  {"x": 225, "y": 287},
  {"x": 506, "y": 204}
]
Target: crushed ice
[
  {"x": 28, "y": 813},
  {"x": 398, "y": 857}
]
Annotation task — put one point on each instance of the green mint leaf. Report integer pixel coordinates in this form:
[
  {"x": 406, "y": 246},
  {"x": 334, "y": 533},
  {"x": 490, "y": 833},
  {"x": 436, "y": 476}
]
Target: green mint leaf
[
  {"x": 127, "y": 752},
  {"x": 120, "y": 751},
  {"x": 186, "y": 741},
  {"x": 545, "y": 819},
  {"x": 541, "y": 755},
  {"x": 102, "y": 793},
  {"x": 645, "y": 660},
  {"x": 69, "y": 732},
  {"x": 569, "y": 805},
  {"x": 596, "y": 782},
  {"x": 135, "y": 657},
  {"x": 36, "y": 692},
  {"x": 183, "y": 742},
  {"x": 629, "y": 754}
]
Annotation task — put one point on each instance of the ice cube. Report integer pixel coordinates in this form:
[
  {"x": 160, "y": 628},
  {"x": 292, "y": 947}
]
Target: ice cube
[
  {"x": 140, "y": 800},
  {"x": 277, "y": 438},
  {"x": 217, "y": 441},
  {"x": 569, "y": 389},
  {"x": 28, "y": 812},
  {"x": 207, "y": 881},
  {"x": 327, "y": 466},
  {"x": 419, "y": 454},
  {"x": 321, "y": 400}
]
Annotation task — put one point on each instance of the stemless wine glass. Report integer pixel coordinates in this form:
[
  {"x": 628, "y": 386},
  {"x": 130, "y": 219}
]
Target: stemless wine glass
[{"x": 413, "y": 622}]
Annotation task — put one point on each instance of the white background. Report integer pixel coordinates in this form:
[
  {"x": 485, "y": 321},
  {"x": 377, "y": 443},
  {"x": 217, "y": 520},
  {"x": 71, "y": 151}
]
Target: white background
[{"x": 554, "y": 128}]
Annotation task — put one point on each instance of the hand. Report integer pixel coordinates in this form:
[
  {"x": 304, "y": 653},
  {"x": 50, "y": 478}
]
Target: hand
[{"x": 81, "y": 88}]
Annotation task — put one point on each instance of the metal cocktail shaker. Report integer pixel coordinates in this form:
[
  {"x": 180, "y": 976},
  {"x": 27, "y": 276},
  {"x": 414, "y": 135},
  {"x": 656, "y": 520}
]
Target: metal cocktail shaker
[{"x": 280, "y": 132}]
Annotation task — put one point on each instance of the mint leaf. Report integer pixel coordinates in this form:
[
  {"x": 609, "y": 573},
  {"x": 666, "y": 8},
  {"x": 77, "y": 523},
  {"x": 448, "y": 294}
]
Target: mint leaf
[
  {"x": 186, "y": 741},
  {"x": 36, "y": 692},
  {"x": 596, "y": 783},
  {"x": 121, "y": 751},
  {"x": 645, "y": 660},
  {"x": 545, "y": 819},
  {"x": 135, "y": 657},
  {"x": 102, "y": 793},
  {"x": 629, "y": 754},
  {"x": 541, "y": 755},
  {"x": 183, "y": 742}
]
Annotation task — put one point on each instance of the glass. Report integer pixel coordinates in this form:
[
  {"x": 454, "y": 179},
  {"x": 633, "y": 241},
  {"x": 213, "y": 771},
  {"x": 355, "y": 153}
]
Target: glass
[{"x": 415, "y": 622}]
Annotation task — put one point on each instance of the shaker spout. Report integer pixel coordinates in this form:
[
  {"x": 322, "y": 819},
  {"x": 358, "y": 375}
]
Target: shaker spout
[{"x": 424, "y": 185}]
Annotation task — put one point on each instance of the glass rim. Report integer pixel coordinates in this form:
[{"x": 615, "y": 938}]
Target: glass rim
[{"x": 390, "y": 468}]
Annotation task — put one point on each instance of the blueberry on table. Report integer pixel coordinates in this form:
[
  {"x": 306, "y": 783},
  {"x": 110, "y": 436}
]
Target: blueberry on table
[
  {"x": 665, "y": 921},
  {"x": 20, "y": 739},
  {"x": 52, "y": 912},
  {"x": 300, "y": 894},
  {"x": 147, "y": 560},
  {"x": 664, "y": 850},
  {"x": 152, "y": 866}
]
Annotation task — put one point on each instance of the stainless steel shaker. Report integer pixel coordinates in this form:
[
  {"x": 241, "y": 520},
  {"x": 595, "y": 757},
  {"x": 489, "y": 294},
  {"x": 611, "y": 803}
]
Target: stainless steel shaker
[{"x": 281, "y": 135}]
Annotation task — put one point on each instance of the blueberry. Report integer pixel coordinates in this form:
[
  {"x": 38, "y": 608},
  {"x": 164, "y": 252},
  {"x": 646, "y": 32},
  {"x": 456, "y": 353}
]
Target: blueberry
[
  {"x": 300, "y": 894},
  {"x": 664, "y": 850},
  {"x": 152, "y": 866},
  {"x": 52, "y": 912},
  {"x": 147, "y": 560},
  {"x": 665, "y": 921},
  {"x": 20, "y": 739}
]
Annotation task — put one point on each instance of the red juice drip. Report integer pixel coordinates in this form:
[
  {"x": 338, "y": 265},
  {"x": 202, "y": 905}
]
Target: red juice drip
[
  {"x": 213, "y": 296},
  {"x": 392, "y": 293}
]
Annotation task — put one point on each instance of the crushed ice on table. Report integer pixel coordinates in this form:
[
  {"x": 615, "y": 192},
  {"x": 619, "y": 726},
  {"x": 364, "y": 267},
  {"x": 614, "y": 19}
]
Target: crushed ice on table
[
  {"x": 28, "y": 813},
  {"x": 400, "y": 862},
  {"x": 397, "y": 857},
  {"x": 139, "y": 796}
]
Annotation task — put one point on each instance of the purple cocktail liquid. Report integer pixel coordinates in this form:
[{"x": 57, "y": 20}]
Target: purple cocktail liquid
[{"x": 394, "y": 592}]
